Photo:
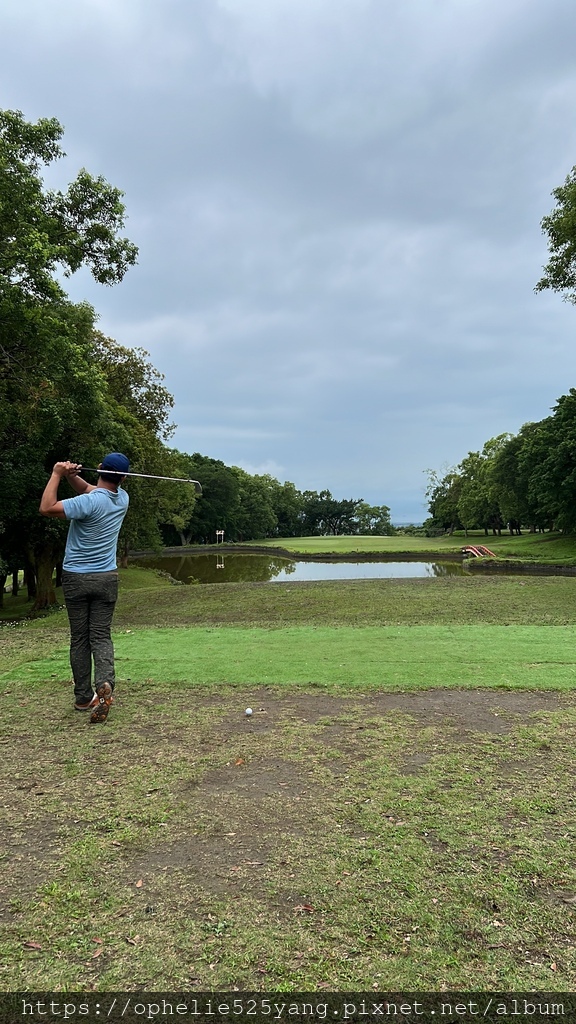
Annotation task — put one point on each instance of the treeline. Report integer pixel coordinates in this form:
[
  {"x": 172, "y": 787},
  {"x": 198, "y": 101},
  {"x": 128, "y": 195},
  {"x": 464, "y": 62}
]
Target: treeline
[
  {"x": 66, "y": 391},
  {"x": 253, "y": 507},
  {"x": 522, "y": 481}
]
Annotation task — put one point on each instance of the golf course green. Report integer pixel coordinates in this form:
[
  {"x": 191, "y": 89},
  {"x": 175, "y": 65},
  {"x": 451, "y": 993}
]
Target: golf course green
[{"x": 397, "y": 813}]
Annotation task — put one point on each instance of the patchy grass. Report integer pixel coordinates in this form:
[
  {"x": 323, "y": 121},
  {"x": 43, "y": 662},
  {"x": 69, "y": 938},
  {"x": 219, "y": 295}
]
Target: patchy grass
[
  {"x": 344, "y": 837},
  {"x": 441, "y": 601},
  {"x": 453, "y": 600},
  {"x": 133, "y": 579},
  {"x": 391, "y": 841}
]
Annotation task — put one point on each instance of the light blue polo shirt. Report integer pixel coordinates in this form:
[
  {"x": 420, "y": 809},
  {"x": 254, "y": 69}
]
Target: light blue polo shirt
[{"x": 95, "y": 521}]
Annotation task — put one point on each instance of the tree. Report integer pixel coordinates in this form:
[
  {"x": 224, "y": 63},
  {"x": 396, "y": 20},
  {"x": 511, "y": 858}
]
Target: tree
[
  {"x": 311, "y": 514},
  {"x": 135, "y": 383},
  {"x": 560, "y": 227},
  {"x": 443, "y": 495},
  {"x": 373, "y": 520},
  {"x": 132, "y": 435},
  {"x": 176, "y": 502},
  {"x": 43, "y": 416},
  {"x": 550, "y": 456},
  {"x": 339, "y": 516},
  {"x": 510, "y": 474},
  {"x": 322, "y": 513},
  {"x": 478, "y": 503},
  {"x": 139, "y": 406},
  {"x": 286, "y": 502},
  {"x": 51, "y": 389},
  {"x": 43, "y": 231},
  {"x": 217, "y": 506},
  {"x": 254, "y": 516}
]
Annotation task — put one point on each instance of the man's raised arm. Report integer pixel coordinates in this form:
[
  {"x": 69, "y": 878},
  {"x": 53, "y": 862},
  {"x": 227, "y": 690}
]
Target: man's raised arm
[{"x": 49, "y": 504}]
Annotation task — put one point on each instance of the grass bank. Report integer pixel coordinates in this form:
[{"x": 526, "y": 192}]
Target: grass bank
[
  {"x": 552, "y": 548},
  {"x": 147, "y": 599}
]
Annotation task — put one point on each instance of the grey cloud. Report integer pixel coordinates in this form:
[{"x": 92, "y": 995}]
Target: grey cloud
[{"x": 337, "y": 204}]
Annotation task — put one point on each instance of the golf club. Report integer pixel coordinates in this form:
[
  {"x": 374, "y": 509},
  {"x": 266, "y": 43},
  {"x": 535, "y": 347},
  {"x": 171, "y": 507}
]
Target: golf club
[{"x": 148, "y": 476}]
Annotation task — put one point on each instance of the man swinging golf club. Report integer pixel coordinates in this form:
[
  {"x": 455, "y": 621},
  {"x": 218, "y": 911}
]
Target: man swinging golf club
[{"x": 90, "y": 573}]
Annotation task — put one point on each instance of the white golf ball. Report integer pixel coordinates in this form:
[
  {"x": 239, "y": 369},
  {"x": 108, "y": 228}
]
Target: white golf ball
[{"x": 248, "y": 711}]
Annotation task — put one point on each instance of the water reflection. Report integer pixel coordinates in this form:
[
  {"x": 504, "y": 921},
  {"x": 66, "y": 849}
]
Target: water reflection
[{"x": 232, "y": 568}]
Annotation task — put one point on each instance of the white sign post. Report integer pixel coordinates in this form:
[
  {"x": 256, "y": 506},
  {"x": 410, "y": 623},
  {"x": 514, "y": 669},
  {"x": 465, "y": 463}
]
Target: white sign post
[{"x": 219, "y": 540}]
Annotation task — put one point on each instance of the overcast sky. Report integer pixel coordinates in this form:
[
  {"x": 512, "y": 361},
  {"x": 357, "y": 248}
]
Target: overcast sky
[{"x": 337, "y": 205}]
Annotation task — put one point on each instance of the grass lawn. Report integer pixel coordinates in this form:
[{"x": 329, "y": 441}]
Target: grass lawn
[
  {"x": 350, "y": 545},
  {"x": 552, "y": 548},
  {"x": 334, "y": 658},
  {"x": 398, "y": 813}
]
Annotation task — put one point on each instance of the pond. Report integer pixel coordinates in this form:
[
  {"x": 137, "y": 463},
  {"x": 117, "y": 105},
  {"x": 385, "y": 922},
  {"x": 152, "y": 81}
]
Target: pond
[{"x": 258, "y": 568}]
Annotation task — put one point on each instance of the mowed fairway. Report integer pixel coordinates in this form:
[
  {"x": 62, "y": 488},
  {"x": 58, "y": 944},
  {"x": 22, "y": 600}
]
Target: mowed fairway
[
  {"x": 341, "y": 658},
  {"x": 399, "y": 811}
]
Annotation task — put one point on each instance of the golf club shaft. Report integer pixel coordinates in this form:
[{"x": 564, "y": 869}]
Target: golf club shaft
[{"x": 148, "y": 476}]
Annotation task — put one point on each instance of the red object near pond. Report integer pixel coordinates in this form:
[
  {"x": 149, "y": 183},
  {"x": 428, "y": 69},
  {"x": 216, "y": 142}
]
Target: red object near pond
[{"x": 478, "y": 550}]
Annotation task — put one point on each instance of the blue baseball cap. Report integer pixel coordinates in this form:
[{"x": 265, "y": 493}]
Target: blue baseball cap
[{"x": 115, "y": 462}]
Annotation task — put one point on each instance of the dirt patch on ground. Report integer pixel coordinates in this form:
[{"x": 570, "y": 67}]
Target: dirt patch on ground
[
  {"x": 484, "y": 711},
  {"x": 466, "y": 711},
  {"x": 30, "y": 847},
  {"x": 263, "y": 808},
  {"x": 245, "y": 799}
]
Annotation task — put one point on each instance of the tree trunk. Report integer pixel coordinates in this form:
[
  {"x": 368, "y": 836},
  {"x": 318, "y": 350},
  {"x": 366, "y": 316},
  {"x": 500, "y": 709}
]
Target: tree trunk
[
  {"x": 3, "y": 578},
  {"x": 45, "y": 592},
  {"x": 30, "y": 580},
  {"x": 15, "y": 583},
  {"x": 124, "y": 556},
  {"x": 30, "y": 571},
  {"x": 59, "y": 574}
]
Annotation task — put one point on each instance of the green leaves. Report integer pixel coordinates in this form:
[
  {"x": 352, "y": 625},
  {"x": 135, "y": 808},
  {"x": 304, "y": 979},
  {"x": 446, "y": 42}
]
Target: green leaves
[
  {"x": 53, "y": 400},
  {"x": 90, "y": 215},
  {"x": 135, "y": 383},
  {"x": 560, "y": 227},
  {"x": 43, "y": 231},
  {"x": 31, "y": 144}
]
